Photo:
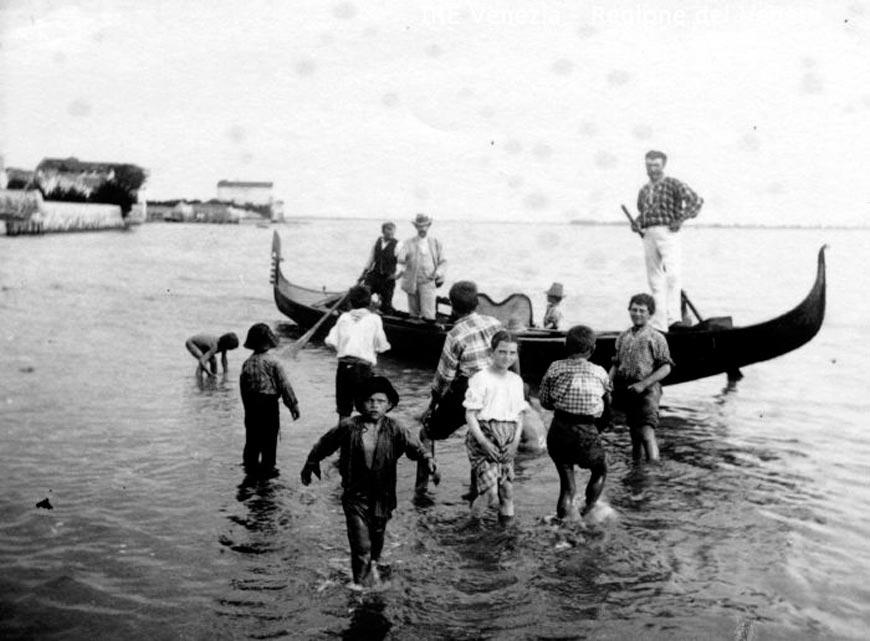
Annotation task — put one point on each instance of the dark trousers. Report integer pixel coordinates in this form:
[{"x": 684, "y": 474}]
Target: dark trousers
[
  {"x": 261, "y": 430},
  {"x": 349, "y": 376},
  {"x": 383, "y": 286},
  {"x": 447, "y": 417},
  {"x": 365, "y": 533}
]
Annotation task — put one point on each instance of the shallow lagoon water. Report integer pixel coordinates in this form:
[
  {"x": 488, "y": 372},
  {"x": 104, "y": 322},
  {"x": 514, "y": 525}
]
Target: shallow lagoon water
[{"x": 754, "y": 526}]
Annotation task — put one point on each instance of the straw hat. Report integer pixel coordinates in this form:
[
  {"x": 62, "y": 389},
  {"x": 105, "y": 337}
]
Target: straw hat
[
  {"x": 422, "y": 220},
  {"x": 556, "y": 291}
]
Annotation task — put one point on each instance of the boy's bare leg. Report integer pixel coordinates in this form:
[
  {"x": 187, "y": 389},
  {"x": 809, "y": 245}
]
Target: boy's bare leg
[
  {"x": 595, "y": 486},
  {"x": 565, "y": 507},
  {"x": 637, "y": 444},
  {"x": 650, "y": 445},
  {"x": 506, "y": 499}
]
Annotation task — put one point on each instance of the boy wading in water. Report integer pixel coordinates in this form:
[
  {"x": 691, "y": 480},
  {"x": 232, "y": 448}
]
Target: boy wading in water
[
  {"x": 494, "y": 405},
  {"x": 262, "y": 383},
  {"x": 370, "y": 445},
  {"x": 641, "y": 361},
  {"x": 579, "y": 392},
  {"x": 205, "y": 348}
]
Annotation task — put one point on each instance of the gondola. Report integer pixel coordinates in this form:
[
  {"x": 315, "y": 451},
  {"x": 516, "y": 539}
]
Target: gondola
[{"x": 706, "y": 349}]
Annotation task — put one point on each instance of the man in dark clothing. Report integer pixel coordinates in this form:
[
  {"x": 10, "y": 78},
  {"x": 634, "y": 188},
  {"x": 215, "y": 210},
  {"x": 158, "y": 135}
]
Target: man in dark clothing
[
  {"x": 380, "y": 272},
  {"x": 370, "y": 445}
]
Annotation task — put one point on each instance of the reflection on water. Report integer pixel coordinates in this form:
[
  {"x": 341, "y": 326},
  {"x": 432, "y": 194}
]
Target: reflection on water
[{"x": 748, "y": 528}]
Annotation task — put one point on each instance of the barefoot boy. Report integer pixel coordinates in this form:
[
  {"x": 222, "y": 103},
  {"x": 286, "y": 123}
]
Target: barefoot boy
[
  {"x": 205, "y": 348},
  {"x": 579, "y": 392},
  {"x": 370, "y": 445},
  {"x": 641, "y": 361}
]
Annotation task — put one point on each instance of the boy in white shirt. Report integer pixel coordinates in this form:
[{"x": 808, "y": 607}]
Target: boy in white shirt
[{"x": 357, "y": 337}]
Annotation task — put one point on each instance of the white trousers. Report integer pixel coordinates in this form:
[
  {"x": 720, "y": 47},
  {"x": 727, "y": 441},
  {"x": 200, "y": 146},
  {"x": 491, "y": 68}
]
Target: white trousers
[
  {"x": 422, "y": 302},
  {"x": 664, "y": 258}
]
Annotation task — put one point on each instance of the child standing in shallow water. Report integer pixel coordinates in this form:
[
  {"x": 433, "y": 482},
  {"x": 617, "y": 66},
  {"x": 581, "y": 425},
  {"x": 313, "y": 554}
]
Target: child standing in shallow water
[
  {"x": 642, "y": 360},
  {"x": 579, "y": 392},
  {"x": 262, "y": 383},
  {"x": 494, "y": 405}
]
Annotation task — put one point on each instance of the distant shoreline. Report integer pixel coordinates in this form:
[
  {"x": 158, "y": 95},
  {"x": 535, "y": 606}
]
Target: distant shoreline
[{"x": 594, "y": 223}]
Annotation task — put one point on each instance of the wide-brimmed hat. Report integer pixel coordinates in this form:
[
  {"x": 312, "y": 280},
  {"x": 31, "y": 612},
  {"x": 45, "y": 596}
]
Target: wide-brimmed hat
[
  {"x": 422, "y": 220},
  {"x": 374, "y": 385},
  {"x": 556, "y": 291},
  {"x": 261, "y": 337}
]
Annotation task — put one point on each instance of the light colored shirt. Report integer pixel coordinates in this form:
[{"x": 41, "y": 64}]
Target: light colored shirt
[
  {"x": 552, "y": 317},
  {"x": 496, "y": 397},
  {"x": 358, "y": 333},
  {"x": 424, "y": 261}
]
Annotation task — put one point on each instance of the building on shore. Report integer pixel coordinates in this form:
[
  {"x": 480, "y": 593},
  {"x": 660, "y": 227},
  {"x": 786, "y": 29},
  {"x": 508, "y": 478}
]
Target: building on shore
[{"x": 247, "y": 193}]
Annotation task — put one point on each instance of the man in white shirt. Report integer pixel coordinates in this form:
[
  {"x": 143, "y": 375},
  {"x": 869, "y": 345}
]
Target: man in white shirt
[{"x": 424, "y": 267}]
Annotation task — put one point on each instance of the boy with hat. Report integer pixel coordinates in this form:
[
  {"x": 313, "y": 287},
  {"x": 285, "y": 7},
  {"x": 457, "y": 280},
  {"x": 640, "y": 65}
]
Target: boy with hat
[
  {"x": 553, "y": 315},
  {"x": 370, "y": 445},
  {"x": 262, "y": 383},
  {"x": 424, "y": 267}
]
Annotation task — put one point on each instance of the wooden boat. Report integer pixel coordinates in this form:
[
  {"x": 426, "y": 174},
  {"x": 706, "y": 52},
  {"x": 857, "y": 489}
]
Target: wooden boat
[{"x": 706, "y": 349}]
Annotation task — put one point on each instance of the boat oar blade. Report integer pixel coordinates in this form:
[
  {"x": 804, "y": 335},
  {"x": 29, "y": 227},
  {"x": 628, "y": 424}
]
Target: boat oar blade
[{"x": 296, "y": 347}]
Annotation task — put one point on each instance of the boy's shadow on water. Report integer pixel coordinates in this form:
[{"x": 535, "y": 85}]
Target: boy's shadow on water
[{"x": 368, "y": 619}]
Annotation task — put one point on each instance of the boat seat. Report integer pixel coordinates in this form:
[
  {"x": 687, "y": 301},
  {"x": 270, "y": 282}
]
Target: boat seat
[{"x": 514, "y": 312}]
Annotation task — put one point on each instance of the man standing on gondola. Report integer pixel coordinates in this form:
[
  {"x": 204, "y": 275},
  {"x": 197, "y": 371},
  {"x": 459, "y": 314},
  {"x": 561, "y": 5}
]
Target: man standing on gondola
[
  {"x": 380, "y": 272},
  {"x": 424, "y": 266},
  {"x": 664, "y": 204}
]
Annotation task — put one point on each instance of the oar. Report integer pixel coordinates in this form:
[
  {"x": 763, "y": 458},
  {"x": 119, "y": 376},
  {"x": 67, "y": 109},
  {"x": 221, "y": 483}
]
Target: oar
[
  {"x": 632, "y": 221},
  {"x": 296, "y": 347}
]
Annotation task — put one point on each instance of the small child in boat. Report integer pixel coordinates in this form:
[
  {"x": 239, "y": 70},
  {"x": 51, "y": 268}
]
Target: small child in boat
[
  {"x": 262, "y": 383},
  {"x": 370, "y": 445},
  {"x": 553, "y": 315},
  {"x": 495, "y": 403},
  {"x": 579, "y": 393},
  {"x": 205, "y": 349},
  {"x": 357, "y": 337},
  {"x": 641, "y": 361}
]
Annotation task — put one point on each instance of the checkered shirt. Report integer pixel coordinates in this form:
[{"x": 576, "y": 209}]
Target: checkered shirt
[
  {"x": 576, "y": 386},
  {"x": 640, "y": 352},
  {"x": 667, "y": 201},
  {"x": 466, "y": 350}
]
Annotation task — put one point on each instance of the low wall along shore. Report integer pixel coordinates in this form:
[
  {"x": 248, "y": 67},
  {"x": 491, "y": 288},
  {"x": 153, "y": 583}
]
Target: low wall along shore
[{"x": 55, "y": 216}]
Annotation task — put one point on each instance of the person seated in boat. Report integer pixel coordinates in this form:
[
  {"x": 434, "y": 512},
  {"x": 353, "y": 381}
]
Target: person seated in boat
[
  {"x": 357, "y": 337},
  {"x": 641, "y": 360},
  {"x": 261, "y": 383},
  {"x": 553, "y": 315},
  {"x": 424, "y": 266},
  {"x": 370, "y": 446},
  {"x": 579, "y": 394},
  {"x": 205, "y": 348},
  {"x": 495, "y": 404},
  {"x": 380, "y": 272},
  {"x": 466, "y": 351}
]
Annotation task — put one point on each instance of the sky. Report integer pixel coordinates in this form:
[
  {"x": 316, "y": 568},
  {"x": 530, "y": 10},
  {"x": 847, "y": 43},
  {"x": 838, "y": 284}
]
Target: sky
[{"x": 515, "y": 111}]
